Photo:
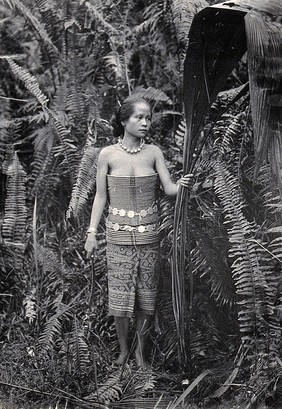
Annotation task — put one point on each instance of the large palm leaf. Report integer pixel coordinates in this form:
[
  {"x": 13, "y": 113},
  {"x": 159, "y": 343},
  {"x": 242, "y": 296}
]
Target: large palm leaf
[{"x": 217, "y": 41}]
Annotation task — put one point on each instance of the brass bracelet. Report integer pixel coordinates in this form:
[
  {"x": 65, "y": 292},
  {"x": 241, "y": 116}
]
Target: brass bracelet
[{"x": 91, "y": 230}]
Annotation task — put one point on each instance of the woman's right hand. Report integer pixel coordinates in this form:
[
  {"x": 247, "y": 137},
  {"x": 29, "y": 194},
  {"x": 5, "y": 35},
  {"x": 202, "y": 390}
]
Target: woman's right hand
[{"x": 91, "y": 245}]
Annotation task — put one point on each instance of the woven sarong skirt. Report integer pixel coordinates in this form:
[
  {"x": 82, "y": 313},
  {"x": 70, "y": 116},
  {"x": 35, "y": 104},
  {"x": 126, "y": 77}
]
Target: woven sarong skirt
[{"x": 132, "y": 278}]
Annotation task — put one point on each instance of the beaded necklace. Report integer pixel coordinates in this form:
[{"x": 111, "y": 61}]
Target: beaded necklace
[{"x": 132, "y": 151}]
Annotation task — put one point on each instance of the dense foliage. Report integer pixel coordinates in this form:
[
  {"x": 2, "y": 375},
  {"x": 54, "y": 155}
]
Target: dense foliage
[{"x": 65, "y": 66}]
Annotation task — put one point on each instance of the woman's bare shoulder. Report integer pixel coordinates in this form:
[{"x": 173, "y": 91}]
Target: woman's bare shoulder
[
  {"x": 153, "y": 149},
  {"x": 107, "y": 150}
]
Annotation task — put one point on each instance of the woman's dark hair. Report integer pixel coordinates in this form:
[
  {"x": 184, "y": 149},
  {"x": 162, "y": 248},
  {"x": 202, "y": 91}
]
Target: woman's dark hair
[{"x": 125, "y": 111}]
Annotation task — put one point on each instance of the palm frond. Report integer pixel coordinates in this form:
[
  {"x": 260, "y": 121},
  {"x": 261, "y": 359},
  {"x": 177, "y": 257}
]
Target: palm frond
[
  {"x": 166, "y": 339},
  {"x": 254, "y": 6},
  {"x": 216, "y": 44},
  {"x": 264, "y": 56}
]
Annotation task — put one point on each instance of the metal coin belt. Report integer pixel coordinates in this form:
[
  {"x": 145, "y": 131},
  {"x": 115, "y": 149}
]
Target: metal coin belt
[
  {"x": 126, "y": 227},
  {"x": 131, "y": 213}
]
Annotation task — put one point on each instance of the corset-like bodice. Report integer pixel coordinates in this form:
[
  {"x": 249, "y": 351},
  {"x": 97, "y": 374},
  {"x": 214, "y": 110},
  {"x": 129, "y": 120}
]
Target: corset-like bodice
[{"x": 133, "y": 209}]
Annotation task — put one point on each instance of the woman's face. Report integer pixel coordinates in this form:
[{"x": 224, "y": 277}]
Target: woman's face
[{"x": 139, "y": 122}]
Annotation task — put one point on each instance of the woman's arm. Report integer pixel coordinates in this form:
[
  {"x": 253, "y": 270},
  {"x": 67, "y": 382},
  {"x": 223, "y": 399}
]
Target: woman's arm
[
  {"x": 98, "y": 204},
  {"x": 169, "y": 187}
]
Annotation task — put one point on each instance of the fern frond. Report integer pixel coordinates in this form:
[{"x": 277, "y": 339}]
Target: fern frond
[
  {"x": 51, "y": 272},
  {"x": 38, "y": 26},
  {"x": 112, "y": 388},
  {"x": 79, "y": 348},
  {"x": 248, "y": 273},
  {"x": 43, "y": 180},
  {"x": 53, "y": 328},
  {"x": 152, "y": 14},
  {"x": 48, "y": 11},
  {"x": 98, "y": 129},
  {"x": 182, "y": 14},
  {"x": 233, "y": 132},
  {"x": 100, "y": 18},
  {"x": 14, "y": 223},
  {"x": 114, "y": 63},
  {"x": 29, "y": 81},
  {"x": 206, "y": 262},
  {"x": 66, "y": 148},
  {"x": 75, "y": 84},
  {"x": 152, "y": 94},
  {"x": 85, "y": 181},
  {"x": 180, "y": 134},
  {"x": 30, "y": 307},
  {"x": 234, "y": 96}
]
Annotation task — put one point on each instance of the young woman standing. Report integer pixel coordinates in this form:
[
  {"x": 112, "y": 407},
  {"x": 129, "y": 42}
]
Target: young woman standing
[{"x": 128, "y": 177}]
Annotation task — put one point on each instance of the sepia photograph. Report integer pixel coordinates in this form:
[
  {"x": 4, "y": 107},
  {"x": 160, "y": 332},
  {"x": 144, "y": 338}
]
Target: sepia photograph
[{"x": 140, "y": 204}]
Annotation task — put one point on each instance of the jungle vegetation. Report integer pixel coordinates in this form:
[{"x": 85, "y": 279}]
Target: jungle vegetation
[{"x": 65, "y": 66}]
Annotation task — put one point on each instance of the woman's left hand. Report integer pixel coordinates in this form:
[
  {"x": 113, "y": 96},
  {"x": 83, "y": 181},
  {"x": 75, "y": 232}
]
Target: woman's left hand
[{"x": 188, "y": 180}]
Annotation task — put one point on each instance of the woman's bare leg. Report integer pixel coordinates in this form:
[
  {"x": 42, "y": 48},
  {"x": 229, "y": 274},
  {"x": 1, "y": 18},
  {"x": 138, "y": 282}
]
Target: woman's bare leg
[{"x": 122, "y": 325}]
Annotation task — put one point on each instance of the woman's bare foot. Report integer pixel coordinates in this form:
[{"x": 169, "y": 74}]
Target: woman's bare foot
[{"x": 122, "y": 358}]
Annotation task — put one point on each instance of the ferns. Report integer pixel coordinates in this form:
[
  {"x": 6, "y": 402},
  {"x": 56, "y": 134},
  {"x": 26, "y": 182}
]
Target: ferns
[
  {"x": 29, "y": 81},
  {"x": 38, "y": 26},
  {"x": 113, "y": 388},
  {"x": 85, "y": 181},
  {"x": 182, "y": 15},
  {"x": 247, "y": 274},
  {"x": 99, "y": 17},
  {"x": 152, "y": 94},
  {"x": 52, "y": 329},
  {"x": 15, "y": 219}
]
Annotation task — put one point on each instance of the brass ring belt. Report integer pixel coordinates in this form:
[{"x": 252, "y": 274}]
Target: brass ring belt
[
  {"x": 132, "y": 213},
  {"x": 125, "y": 227}
]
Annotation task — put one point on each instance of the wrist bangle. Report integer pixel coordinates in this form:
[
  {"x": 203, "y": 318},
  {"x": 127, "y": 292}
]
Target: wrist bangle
[{"x": 91, "y": 230}]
